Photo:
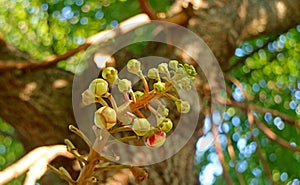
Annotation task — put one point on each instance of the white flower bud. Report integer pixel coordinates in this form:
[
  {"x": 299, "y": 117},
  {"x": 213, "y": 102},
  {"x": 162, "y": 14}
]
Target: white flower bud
[
  {"x": 110, "y": 74},
  {"x": 105, "y": 117},
  {"x": 134, "y": 66},
  {"x": 140, "y": 126},
  {"x": 98, "y": 87},
  {"x": 183, "y": 106},
  {"x": 124, "y": 85},
  {"x": 153, "y": 74}
]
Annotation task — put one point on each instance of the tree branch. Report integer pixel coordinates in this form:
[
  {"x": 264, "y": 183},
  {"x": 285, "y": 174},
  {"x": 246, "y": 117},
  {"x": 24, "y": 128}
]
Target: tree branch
[
  {"x": 220, "y": 154},
  {"x": 259, "y": 109},
  {"x": 272, "y": 136},
  {"x": 232, "y": 155},
  {"x": 98, "y": 38},
  {"x": 144, "y": 6},
  {"x": 35, "y": 162},
  {"x": 259, "y": 150}
]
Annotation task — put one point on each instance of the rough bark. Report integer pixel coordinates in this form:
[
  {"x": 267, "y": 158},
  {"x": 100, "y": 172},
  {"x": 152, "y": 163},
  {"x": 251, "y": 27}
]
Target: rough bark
[{"x": 38, "y": 102}]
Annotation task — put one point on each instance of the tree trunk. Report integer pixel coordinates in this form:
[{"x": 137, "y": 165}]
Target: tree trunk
[{"x": 38, "y": 103}]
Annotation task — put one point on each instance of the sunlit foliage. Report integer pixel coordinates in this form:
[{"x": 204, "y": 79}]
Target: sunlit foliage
[
  {"x": 10, "y": 148},
  {"x": 269, "y": 74}
]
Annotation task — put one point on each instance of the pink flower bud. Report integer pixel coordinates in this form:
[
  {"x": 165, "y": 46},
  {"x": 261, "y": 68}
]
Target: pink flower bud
[{"x": 156, "y": 140}]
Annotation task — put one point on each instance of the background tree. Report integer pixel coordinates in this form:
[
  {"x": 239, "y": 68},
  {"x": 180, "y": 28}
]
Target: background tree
[{"x": 42, "y": 42}]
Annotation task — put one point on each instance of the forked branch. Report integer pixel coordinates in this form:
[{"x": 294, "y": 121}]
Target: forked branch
[{"x": 34, "y": 163}]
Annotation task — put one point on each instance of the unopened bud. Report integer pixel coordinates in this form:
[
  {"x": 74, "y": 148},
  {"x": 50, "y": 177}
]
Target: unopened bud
[
  {"x": 105, "y": 117},
  {"x": 173, "y": 64},
  {"x": 134, "y": 66},
  {"x": 156, "y": 140},
  {"x": 98, "y": 87},
  {"x": 140, "y": 126},
  {"x": 163, "y": 111},
  {"x": 124, "y": 85},
  {"x": 190, "y": 70},
  {"x": 110, "y": 74},
  {"x": 159, "y": 86},
  {"x": 138, "y": 94},
  {"x": 163, "y": 68},
  {"x": 166, "y": 125},
  {"x": 153, "y": 74},
  {"x": 183, "y": 106}
]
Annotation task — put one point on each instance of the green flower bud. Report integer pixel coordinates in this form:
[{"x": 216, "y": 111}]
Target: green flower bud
[
  {"x": 166, "y": 125},
  {"x": 153, "y": 74},
  {"x": 110, "y": 74},
  {"x": 163, "y": 68},
  {"x": 190, "y": 70},
  {"x": 140, "y": 126},
  {"x": 138, "y": 94},
  {"x": 185, "y": 83},
  {"x": 183, "y": 106},
  {"x": 173, "y": 64},
  {"x": 105, "y": 117},
  {"x": 124, "y": 85},
  {"x": 159, "y": 86},
  {"x": 156, "y": 140},
  {"x": 98, "y": 87},
  {"x": 134, "y": 66},
  {"x": 163, "y": 111}
]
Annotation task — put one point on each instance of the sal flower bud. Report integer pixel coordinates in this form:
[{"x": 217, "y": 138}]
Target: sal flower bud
[
  {"x": 138, "y": 94},
  {"x": 153, "y": 74},
  {"x": 183, "y": 106},
  {"x": 134, "y": 66},
  {"x": 163, "y": 68},
  {"x": 190, "y": 70},
  {"x": 110, "y": 74},
  {"x": 166, "y": 125},
  {"x": 98, "y": 87},
  {"x": 173, "y": 64},
  {"x": 159, "y": 86},
  {"x": 124, "y": 85},
  {"x": 105, "y": 117},
  {"x": 140, "y": 126},
  {"x": 156, "y": 140},
  {"x": 163, "y": 111}
]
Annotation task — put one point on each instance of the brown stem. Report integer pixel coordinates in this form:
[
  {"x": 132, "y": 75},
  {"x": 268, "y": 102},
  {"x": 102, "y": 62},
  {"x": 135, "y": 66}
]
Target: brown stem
[
  {"x": 220, "y": 154},
  {"x": 259, "y": 150},
  {"x": 272, "y": 136},
  {"x": 263, "y": 110},
  {"x": 232, "y": 155},
  {"x": 145, "y": 7}
]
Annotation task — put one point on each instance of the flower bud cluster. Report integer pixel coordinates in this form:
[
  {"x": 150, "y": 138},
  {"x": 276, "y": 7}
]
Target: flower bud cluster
[{"x": 166, "y": 76}]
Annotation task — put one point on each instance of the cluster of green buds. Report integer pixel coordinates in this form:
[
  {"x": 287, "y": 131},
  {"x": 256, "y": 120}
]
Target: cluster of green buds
[
  {"x": 167, "y": 76},
  {"x": 129, "y": 117}
]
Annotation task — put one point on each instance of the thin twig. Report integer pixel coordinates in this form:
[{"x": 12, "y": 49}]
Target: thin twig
[
  {"x": 259, "y": 150},
  {"x": 220, "y": 155},
  {"x": 232, "y": 156},
  {"x": 62, "y": 175},
  {"x": 244, "y": 106},
  {"x": 272, "y": 136},
  {"x": 79, "y": 133},
  {"x": 145, "y": 7}
]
